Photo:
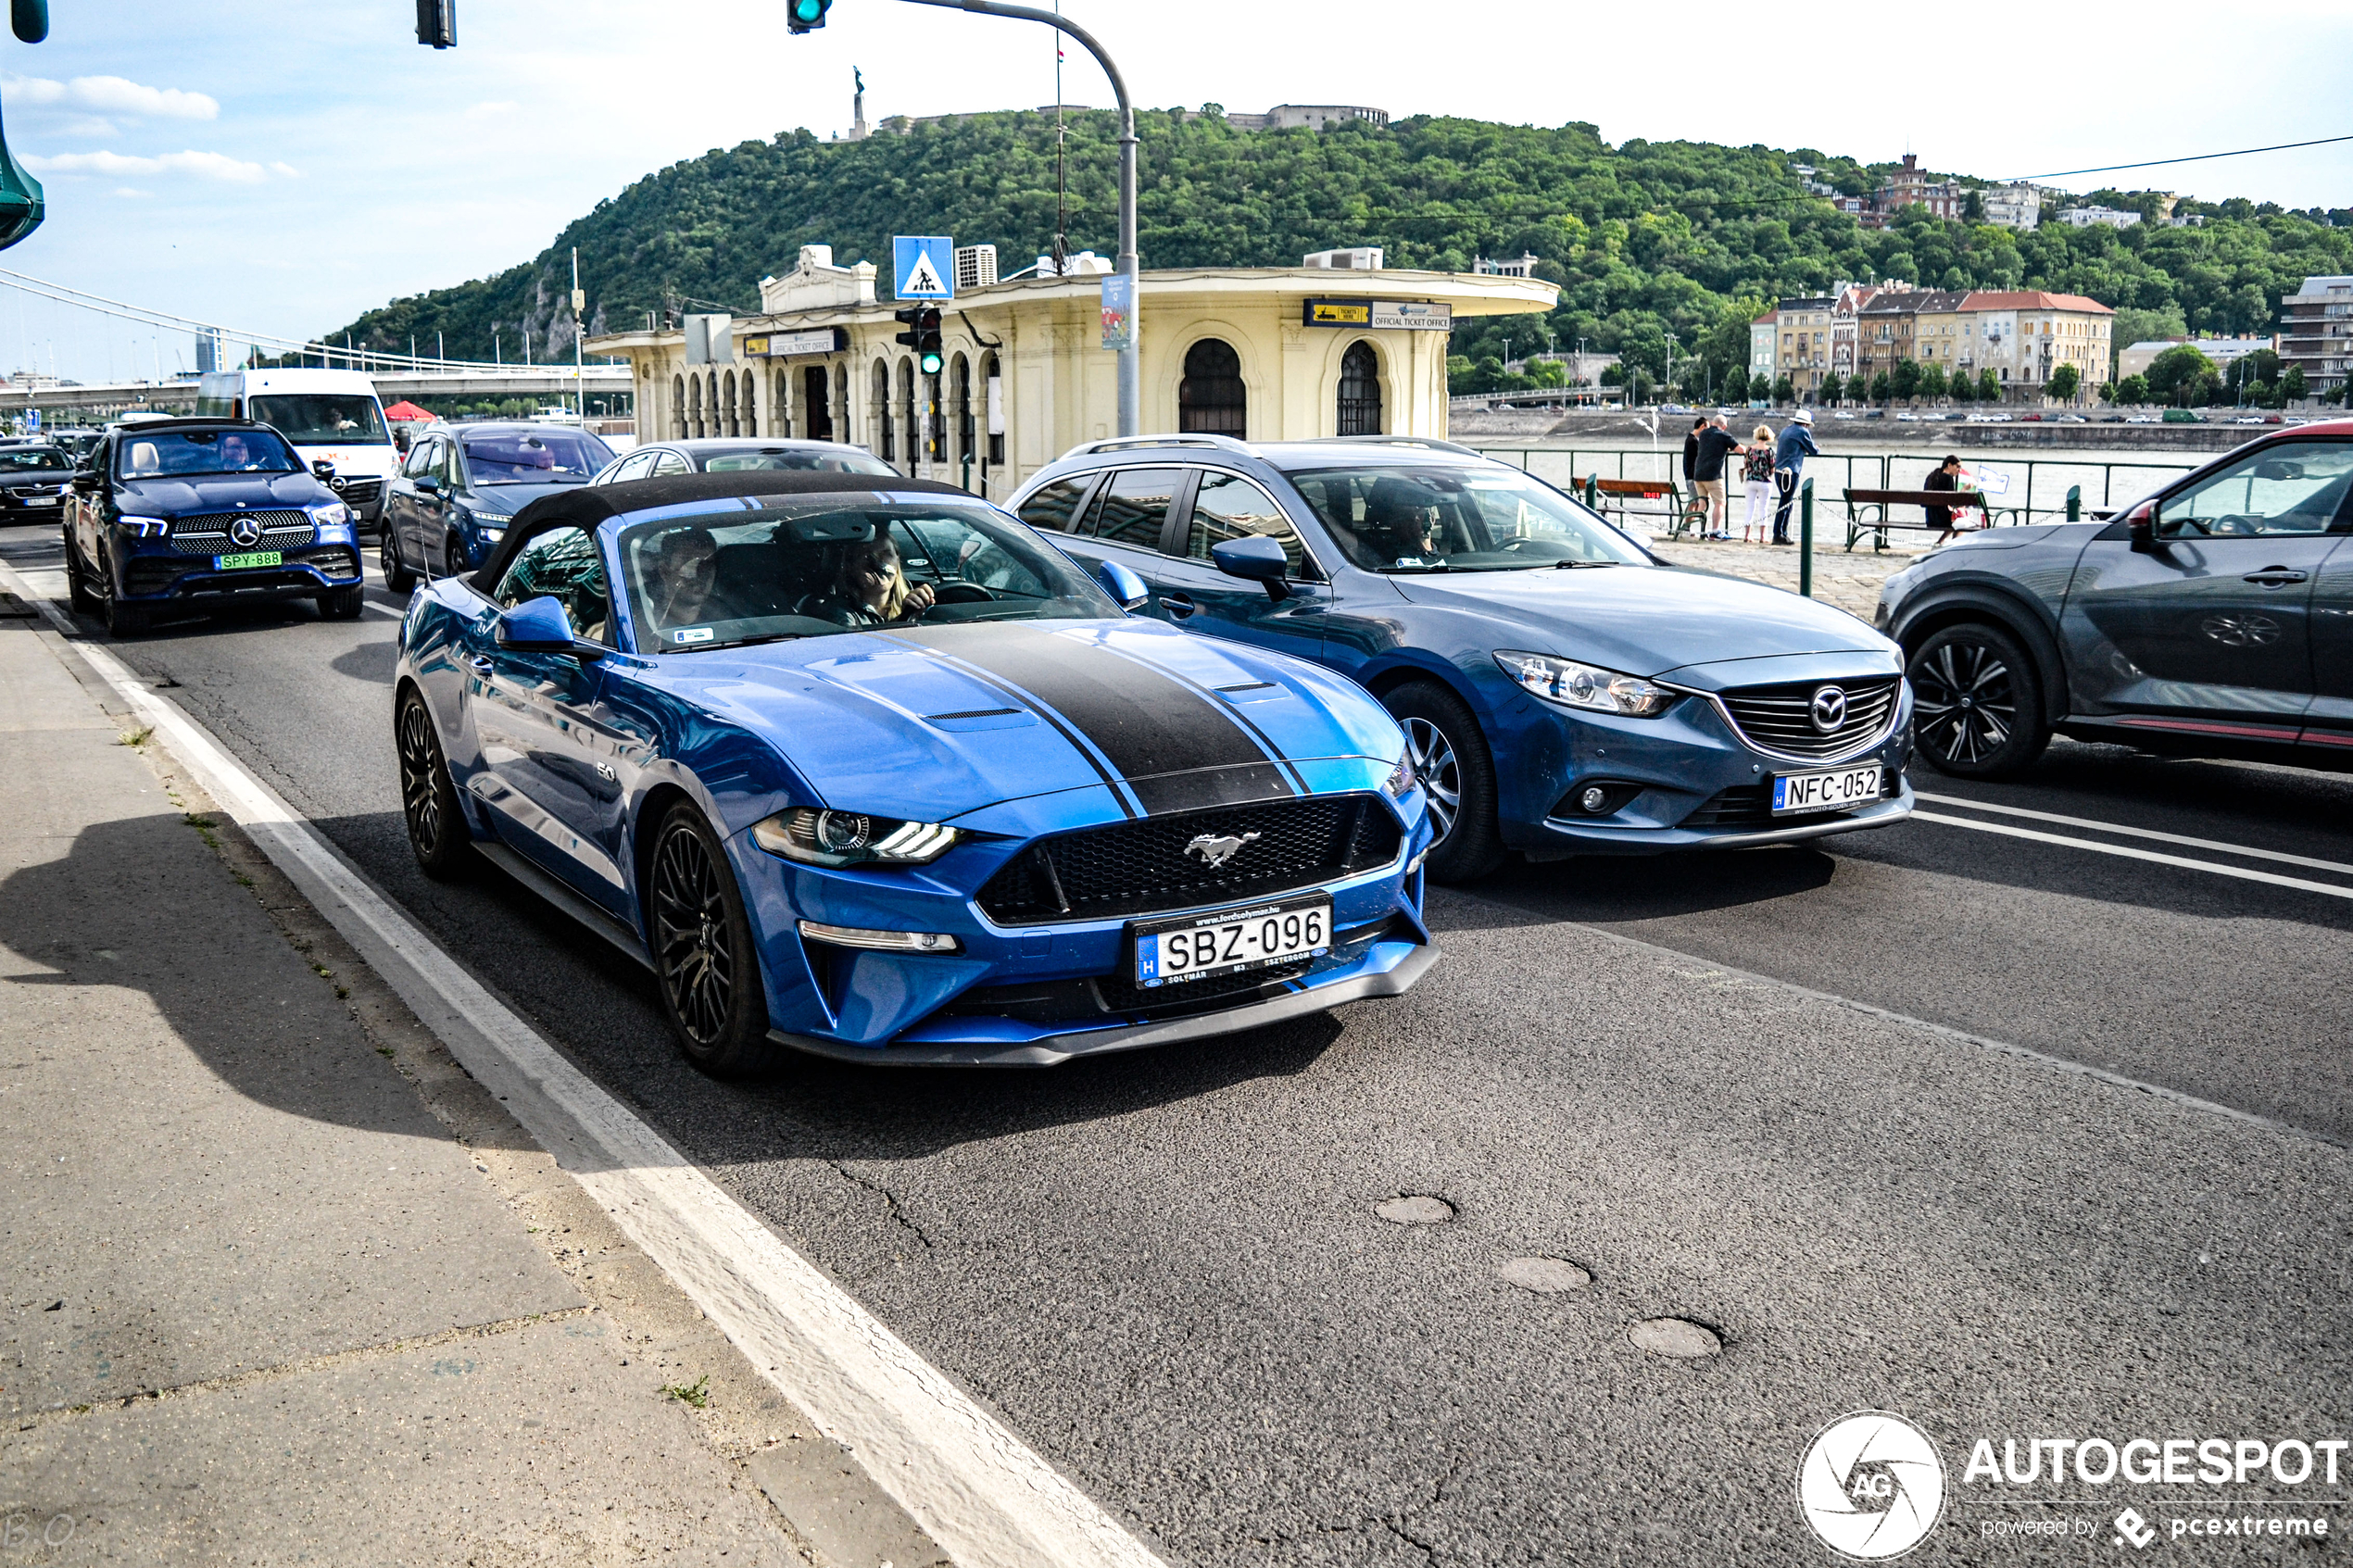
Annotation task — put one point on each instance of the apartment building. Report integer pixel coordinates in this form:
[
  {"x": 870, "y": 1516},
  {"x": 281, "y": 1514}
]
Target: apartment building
[
  {"x": 2316, "y": 331},
  {"x": 1802, "y": 343}
]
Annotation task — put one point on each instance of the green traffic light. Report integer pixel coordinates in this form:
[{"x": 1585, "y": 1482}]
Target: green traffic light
[
  {"x": 931, "y": 363},
  {"x": 809, "y": 10}
]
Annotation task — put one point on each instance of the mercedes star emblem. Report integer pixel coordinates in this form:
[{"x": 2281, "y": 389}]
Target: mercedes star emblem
[{"x": 247, "y": 530}]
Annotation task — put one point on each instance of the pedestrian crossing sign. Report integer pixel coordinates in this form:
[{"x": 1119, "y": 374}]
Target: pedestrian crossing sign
[{"x": 923, "y": 266}]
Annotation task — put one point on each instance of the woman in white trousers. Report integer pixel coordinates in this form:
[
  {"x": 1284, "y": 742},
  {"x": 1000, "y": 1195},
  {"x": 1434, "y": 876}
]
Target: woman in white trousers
[{"x": 1759, "y": 472}]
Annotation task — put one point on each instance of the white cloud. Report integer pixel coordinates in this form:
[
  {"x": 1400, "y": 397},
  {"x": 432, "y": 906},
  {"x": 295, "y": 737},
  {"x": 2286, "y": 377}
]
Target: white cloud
[
  {"x": 492, "y": 107},
  {"x": 113, "y": 95},
  {"x": 137, "y": 196},
  {"x": 208, "y": 166},
  {"x": 289, "y": 171},
  {"x": 88, "y": 128}
]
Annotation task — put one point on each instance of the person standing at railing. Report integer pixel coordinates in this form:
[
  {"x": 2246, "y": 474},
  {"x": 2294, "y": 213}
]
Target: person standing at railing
[
  {"x": 1757, "y": 471},
  {"x": 1715, "y": 445},
  {"x": 1790, "y": 453}
]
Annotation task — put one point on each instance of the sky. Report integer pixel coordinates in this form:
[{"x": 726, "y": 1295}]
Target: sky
[{"x": 279, "y": 165}]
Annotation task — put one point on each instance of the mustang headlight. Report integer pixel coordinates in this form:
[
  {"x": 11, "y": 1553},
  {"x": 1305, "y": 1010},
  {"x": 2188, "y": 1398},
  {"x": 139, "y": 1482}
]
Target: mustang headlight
[
  {"x": 849, "y": 838},
  {"x": 144, "y": 527},
  {"x": 332, "y": 513},
  {"x": 1587, "y": 686},
  {"x": 1401, "y": 781}
]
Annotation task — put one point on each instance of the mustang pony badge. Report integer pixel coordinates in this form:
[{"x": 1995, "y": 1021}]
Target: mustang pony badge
[{"x": 1213, "y": 850}]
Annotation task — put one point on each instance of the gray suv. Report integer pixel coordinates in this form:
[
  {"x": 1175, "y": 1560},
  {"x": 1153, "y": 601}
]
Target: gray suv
[{"x": 2213, "y": 618}]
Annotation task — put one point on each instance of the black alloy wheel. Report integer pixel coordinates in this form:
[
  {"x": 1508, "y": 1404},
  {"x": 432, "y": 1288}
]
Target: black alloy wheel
[
  {"x": 1457, "y": 773},
  {"x": 398, "y": 577},
  {"x": 79, "y": 591},
  {"x": 704, "y": 955},
  {"x": 437, "y": 830},
  {"x": 453, "y": 556},
  {"x": 1976, "y": 709},
  {"x": 122, "y": 620},
  {"x": 343, "y": 603}
]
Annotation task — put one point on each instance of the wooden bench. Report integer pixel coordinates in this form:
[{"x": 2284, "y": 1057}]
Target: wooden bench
[
  {"x": 1620, "y": 496},
  {"x": 1882, "y": 502}
]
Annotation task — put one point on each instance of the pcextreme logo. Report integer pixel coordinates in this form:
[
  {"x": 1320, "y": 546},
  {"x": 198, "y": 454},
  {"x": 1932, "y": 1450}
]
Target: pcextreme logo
[{"x": 1871, "y": 1485}]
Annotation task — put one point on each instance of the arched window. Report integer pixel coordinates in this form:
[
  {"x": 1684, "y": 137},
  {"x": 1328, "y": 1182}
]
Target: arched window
[
  {"x": 993, "y": 404},
  {"x": 1211, "y": 399},
  {"x": 907, "y": 412},
  {"x": 886, "y": 450},
  {"x": 678, "y": 406},
  {"x": 1360, "y": 390},
  {"x": 693, "y": 406},
  {"x": 959, "y": 408},
  {"x": 816, "y": 404}
]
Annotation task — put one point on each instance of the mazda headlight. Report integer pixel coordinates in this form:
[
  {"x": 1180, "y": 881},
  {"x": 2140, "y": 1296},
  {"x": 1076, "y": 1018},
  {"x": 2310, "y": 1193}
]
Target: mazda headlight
[
  {"x": 1587, "y": 686},
  {"x": 850, "y": 838},
  {"x": 331, "y": 515}
]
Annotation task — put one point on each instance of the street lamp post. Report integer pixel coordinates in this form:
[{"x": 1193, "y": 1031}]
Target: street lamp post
[{"x": 1130, "y": 358}]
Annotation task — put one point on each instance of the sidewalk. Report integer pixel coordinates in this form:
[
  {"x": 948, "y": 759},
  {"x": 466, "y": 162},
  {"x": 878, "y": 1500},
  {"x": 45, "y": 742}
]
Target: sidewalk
[
  {"x": 284, "y": 1284},
  {"x": 1849, "y": 581}
]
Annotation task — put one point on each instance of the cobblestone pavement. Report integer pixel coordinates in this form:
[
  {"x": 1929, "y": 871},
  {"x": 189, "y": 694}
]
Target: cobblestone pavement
[{"x": 1850, "y": 582}]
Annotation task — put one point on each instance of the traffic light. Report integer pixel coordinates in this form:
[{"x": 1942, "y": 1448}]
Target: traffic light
[
  {"x": 437, "y": 23},
  {"x": 21, "y": 205},
  {"x": 924, "y": 338},
  {"x": 807, "y": 16}
]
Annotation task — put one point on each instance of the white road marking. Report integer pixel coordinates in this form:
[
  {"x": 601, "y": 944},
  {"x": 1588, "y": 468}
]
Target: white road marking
[
  {"x": 2243, "y": 872},
  {"x": 2213, "y": 843},
  {"x": 963, "y": 1474}
]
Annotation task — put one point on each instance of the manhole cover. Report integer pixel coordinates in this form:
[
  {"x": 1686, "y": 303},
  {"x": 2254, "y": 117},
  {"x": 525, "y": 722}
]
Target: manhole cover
[
  {"x": 1418, "y": 1209},
  {"x": 1549, "y": 1276},
  {"x": 1679, "y": 1337}
]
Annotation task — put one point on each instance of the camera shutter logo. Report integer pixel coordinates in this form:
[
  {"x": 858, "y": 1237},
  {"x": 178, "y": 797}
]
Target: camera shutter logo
[
  {"x": 1871, "y": 1485},
  {"x": 1828, "y": 710}
]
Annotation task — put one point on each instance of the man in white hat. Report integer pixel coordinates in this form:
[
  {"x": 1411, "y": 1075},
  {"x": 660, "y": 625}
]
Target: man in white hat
[{"x": 1790, "y": 453}]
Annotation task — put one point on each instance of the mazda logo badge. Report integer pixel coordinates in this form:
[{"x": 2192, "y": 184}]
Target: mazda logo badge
[
  {"x": 1829, "y": 710},
  {"x": 246, "y": 531},
  {"x": 1213, "y": 850}
]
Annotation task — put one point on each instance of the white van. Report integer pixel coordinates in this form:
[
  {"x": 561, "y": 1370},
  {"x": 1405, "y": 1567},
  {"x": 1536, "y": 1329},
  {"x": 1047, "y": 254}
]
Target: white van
[{"x": 330, "y": 415}]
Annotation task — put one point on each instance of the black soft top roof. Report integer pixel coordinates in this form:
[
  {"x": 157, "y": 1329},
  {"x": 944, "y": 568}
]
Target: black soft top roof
[{"x": 589, "y": 505}]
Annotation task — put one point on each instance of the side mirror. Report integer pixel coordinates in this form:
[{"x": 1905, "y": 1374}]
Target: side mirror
[
  {"x": 323, "y": 470},
  {"x": 540, "y": 625},
  {"x": 85, "y": 481},
  {"x": 428, "y": 483},
  {"x": 1256, "y": 560},
  {"x": 2142, "y": 525},
  {"x": 1123, "y": 585}
]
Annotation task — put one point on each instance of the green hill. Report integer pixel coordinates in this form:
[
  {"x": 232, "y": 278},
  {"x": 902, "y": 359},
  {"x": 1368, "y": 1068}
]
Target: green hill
[{"x": 1645, "y": 238}]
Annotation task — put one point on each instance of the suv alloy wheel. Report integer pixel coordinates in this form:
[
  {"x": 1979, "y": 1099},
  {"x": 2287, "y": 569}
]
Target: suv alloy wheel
[{"x": 1977, "y": 711}]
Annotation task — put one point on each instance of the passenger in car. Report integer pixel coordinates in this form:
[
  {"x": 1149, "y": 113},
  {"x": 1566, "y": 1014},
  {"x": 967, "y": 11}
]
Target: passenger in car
[
  {"x": 872, "y": 590},
  {"x": 687, "y": 580}
]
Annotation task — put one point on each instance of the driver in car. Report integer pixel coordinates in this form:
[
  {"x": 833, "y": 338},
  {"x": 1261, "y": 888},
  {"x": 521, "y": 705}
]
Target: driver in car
[
  {"x": 1401, "y": 523},
  {"x": 234, "y": 457},
  {"x": 872, "y": 589},
  {"x": 687, "y": 579}
]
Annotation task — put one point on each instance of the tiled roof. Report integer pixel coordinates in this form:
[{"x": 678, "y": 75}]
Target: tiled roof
[{"x": 2032, "y": 300}]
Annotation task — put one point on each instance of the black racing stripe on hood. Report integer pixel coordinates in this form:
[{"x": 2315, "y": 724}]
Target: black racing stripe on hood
[
  {"x": 1144, "y": 722},
  {"x": 1053, "y": 720},
  {"x": 1265, "y": 743},
  {"x": 1206, "y": 787}
]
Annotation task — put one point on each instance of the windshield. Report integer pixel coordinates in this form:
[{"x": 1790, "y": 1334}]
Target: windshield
[
  {"x": 533, "y": 457},
  {"x": 203, "y": 451},
  {"x": 821, "y": 566},
  {"x": 827, "y": 463},
  {"x": 23, "y": 459},
  {"x": 1485, "y": 518},
  {"x": 318, "y": 418}
]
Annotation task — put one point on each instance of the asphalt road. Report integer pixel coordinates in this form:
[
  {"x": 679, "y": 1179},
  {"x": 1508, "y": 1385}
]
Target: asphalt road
[{"x": 1166, "y": 1272}]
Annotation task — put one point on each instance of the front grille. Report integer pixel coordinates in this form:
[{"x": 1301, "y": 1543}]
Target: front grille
[
  {"x": 1141, "y": 867},
  {"x": 1751, "y": 806},
  {"x": 143, "y": 575},
  {"x": 1781, "y": 719},
  {"x": 207, "y": 534},
  {"x": 359, "y": 492}
]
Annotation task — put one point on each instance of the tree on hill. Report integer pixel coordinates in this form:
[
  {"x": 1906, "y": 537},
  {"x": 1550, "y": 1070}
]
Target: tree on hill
[
  {"x": 2183, "y": 377},
  {"x": 1644, "y": 239},
  {"x": 2134, "y": 391}
]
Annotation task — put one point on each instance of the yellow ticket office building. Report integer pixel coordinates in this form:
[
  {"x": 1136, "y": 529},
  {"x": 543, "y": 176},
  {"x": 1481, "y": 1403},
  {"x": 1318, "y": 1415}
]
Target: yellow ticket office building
[{"x": 1262, "y": 354}]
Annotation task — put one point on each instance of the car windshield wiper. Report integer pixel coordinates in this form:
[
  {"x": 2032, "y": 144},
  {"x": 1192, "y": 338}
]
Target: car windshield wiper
[
  {"x": 1574, "y": 565},
  {"x": 744, "y": 642}
]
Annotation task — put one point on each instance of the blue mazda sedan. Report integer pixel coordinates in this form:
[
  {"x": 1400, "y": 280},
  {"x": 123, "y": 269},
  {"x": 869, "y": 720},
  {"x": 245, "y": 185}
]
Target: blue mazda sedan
[
  {"x": 860, "y": 765},
  {"x": 1564, "y": 691}
]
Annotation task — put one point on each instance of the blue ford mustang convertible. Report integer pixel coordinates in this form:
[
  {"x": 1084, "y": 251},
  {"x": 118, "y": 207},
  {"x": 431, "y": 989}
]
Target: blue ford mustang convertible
[{"x": 859, "y": 764}]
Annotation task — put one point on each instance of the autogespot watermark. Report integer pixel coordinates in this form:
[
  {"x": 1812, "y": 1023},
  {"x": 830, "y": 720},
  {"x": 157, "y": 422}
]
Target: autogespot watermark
[{"x": 1872, "y": 1486}]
